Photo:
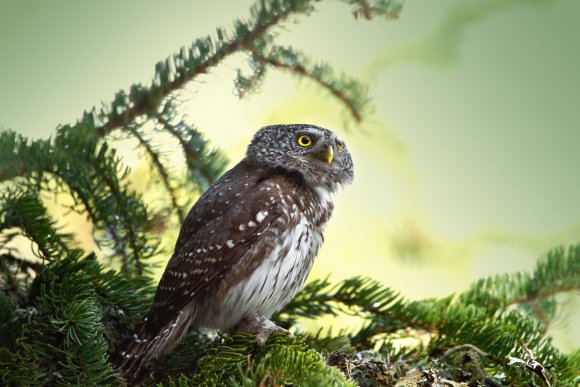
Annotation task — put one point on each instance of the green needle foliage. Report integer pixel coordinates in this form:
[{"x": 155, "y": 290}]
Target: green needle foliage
[{"x": 64, "y": 310}]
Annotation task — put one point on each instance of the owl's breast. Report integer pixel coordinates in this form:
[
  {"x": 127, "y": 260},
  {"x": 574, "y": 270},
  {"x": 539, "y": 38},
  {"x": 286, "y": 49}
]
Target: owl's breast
[{"x": 278, "y": 276}]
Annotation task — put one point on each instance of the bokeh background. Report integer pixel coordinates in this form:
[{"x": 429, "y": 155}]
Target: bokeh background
[{"x": 469, "y": 165}]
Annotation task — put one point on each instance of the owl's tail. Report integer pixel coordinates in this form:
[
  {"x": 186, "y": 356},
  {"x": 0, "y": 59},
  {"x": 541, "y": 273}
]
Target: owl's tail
[{"x": 149, "y": 341}]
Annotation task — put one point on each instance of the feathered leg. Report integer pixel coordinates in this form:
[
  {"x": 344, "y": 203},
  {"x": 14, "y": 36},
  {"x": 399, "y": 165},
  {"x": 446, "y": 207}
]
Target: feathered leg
[{"x": 260, "y": 326}]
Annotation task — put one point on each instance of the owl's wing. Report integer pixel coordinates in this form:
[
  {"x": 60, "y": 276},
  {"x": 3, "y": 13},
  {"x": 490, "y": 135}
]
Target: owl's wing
[
  {"x": 230, "y": 189},
  {"x": 214, "y": 248}
]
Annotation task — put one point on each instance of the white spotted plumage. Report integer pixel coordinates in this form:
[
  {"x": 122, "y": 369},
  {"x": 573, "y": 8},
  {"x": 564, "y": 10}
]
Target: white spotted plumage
[{"x": 283, "y": 274}]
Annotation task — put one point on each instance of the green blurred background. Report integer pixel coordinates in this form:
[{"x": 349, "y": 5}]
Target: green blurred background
[{"x": 468, "y": 167}]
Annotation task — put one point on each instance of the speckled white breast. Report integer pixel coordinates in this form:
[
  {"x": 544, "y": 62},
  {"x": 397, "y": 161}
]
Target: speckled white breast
[{"x": 273, "y": 284}]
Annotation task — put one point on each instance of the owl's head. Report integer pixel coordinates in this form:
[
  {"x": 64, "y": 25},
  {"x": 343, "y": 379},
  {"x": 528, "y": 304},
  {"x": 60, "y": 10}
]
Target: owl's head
[{"x": 315, "y": 153}]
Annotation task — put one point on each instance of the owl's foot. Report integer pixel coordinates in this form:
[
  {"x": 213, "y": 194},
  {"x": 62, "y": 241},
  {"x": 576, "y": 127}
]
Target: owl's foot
[{"x": 259, "y": 326}]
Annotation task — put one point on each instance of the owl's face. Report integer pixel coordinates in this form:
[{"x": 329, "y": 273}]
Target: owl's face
[{"x": 315, "y": 153}]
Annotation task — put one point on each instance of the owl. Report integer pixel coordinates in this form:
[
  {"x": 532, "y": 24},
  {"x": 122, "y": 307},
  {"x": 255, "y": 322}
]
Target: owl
[{"x": 248, "y": 243}]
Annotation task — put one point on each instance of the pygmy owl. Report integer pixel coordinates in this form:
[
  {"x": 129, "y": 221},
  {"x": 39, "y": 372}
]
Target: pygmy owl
[{"x": 248, "y": 243}]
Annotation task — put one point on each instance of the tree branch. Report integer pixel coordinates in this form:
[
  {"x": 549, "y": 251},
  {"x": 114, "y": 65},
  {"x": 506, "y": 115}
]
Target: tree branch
[
  {"x": 189, "y": 153},
  {"x": 299, "y": 69},
  {"x": 162, "y": 172},
  {"x": 142, "y": 101}
]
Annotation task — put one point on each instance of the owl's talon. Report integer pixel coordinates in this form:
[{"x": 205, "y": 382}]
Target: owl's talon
[
  {"x": 262, "y": 336},
  {"x": 260, "y": 326}
]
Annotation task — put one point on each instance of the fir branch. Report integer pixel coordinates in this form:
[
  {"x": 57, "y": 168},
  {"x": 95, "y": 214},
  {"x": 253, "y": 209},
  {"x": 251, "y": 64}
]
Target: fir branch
[
  {"x": 363, "y": 297},
  {"x": 96, "y": 178},
  {"x": 247, "y": 84},
  {"x": 235, "y": 360},
  {"x": 153, "y": 154},
  {"x": 191, "y": 156},
  {"x": 366, "y": 296},
  {"x": 452, "y": 321},
  {"x": 326, "y": 342},
  {"x": 347, "y": 90},
  {"x": 557, "y": 273},
  {"x": 285, "y": 365},
  {"x": 201, "y": 56},
  {"x": 26, "y": 212},
  {"x": 63, "y": 344},
  {"x": 20, "y": 157},
  {"x": 123, "y": 301},
  {"x": 80, "y": 193},
  {"x": 23, "y": 265},
  {"x": 368, "y": 9},
  {"x": 9, "y": 331},
  {"x": 183, "y": 359},
  {"x": 203, "y": 165},
  {"x": 10, "y": 144},
  {"x": 314, "y": 300},
  {"x": 175, "y": 72},
  {"x": 121, "y": 198},
  {"x": 101, "y": 174}
]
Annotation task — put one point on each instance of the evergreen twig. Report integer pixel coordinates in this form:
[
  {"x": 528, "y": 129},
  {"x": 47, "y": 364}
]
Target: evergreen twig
[
  {"x": 161, "y": 170},
  {"x": 141, "y": 101},
  {"x": 350, "y": 92}
]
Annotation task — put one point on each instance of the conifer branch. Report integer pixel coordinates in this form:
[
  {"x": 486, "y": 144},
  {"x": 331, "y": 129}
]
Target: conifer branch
[
  {"x": 96, "y": 178},
  {"x": 247, "y": 84},
  {"x": 79, "y": 194},
  {"x": 368, "y": 9},
  {"x": 112, "y": 185},
  {"x": 476, "y": 317},
  {"x": 558, "y": 272},
  {"x": 175, "y": 72},
  {"x": 161, "y": 170},
  {"x": 23, "y": 264},
  {"x": 26, "y": 212},
  {"x": 347, "y": 90},
  {"x": 202, "y": 55},
  {"x": 204, "y": 166},
  {"x": 131, "y": 232}
]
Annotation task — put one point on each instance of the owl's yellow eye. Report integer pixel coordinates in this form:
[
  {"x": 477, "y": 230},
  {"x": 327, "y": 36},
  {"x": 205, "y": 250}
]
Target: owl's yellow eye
[
  {"x": 339, "y": 147},
  {"x": 304, "y": 140}
]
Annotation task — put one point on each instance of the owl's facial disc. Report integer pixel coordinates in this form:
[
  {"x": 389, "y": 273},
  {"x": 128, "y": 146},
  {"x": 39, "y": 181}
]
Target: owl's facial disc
[{"x": 314, "y": 152}]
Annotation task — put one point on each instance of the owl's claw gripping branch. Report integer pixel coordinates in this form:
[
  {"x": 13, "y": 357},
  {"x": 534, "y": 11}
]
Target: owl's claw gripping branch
[
  {"x": 260, "y": 326},
  {"x": 248, "y": 244}
]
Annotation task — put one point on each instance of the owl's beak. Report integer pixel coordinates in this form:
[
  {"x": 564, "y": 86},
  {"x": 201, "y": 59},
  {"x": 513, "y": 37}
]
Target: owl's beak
[
  {"x": 324, "y": 153},
  {"x": 328, "y": 154}
]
